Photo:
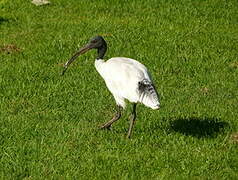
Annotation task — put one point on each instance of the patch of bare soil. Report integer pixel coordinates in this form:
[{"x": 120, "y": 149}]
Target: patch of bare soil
[{"x": 10, "y": 48}]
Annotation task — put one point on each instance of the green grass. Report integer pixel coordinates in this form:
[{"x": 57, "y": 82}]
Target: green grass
[{"x": 49, "y": 124}]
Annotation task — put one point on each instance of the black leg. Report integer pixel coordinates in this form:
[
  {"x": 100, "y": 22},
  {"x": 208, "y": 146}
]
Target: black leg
[
  {"x": 133, "y": 119},
  {"x": 115, "y": 118}
]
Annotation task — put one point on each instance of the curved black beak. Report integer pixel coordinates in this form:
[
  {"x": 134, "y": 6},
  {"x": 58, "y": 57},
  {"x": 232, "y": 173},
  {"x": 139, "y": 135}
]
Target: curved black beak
[{"x": 81, "y": 51}]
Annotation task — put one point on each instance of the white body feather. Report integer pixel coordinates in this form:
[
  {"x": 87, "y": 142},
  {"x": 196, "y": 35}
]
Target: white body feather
[{"x": 122, "y": 76}]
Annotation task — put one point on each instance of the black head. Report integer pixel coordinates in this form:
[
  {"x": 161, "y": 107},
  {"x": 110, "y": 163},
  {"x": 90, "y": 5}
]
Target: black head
[
  {"x": 96, "y": 42},
  {"x": 100, "y": 44}
]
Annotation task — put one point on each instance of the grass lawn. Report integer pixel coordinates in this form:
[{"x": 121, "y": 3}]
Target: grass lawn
[{"x": 49, "y": 123}]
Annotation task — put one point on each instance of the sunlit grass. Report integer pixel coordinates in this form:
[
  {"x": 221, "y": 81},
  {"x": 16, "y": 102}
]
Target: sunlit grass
[{"x": 49, "y": 123}]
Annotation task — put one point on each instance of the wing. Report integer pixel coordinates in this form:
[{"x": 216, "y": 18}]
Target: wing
[
  {"x": 123, "y": 76},
  {"x": 148, "y": 94},
  {"x": 129, "y": 79},
  {"x": 127, "y": 68}
]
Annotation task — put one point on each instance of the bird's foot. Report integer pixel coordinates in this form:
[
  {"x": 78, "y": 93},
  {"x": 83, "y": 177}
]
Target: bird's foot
[
  {"x": 105, "y": 126},
  {"x": 128, "y": 135}
]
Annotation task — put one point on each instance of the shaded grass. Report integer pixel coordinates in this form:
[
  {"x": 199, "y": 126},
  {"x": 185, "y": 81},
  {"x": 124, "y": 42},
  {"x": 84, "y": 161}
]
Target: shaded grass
[
  {"x": 207, "y": 127},
  {"x": 49, "y": 123}
]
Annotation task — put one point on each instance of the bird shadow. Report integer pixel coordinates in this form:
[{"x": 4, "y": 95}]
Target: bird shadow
[{"x": 208, "y": 127}]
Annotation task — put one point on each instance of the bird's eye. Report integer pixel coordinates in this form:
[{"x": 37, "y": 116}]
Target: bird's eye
[{"x": 93, "y": 41}]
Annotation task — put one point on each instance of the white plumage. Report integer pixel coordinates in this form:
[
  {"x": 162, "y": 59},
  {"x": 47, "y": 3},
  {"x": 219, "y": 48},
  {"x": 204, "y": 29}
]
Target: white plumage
[
  {"x": 125, "y": 78},
  {"x": 122, "y": 77}
]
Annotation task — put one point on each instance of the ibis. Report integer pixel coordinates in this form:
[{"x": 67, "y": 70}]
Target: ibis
[{"x": 126, "y": 79}]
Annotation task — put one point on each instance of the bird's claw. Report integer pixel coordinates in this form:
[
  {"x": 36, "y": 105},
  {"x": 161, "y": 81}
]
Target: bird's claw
[
  {"x": 105, "y": 126},
  {"x": 64, "y": 70}
]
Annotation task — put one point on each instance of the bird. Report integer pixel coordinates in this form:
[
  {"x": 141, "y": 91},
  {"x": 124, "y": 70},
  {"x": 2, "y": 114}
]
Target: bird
[{"x": 125, "y": 78}]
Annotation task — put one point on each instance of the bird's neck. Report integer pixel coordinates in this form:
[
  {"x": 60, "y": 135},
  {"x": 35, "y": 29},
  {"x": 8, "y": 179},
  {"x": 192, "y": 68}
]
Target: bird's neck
[
  {"x": 99, "y": 65},
  {"x": 101, "y": 51}
]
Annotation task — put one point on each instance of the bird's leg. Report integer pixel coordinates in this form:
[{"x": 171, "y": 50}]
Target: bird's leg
[
  {"x": 133, "y": 119},
  {"x": 115, "y": 118}
]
